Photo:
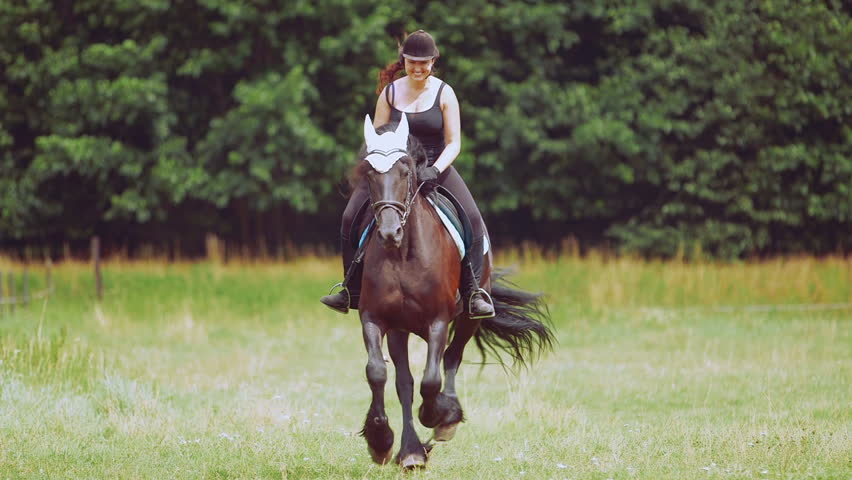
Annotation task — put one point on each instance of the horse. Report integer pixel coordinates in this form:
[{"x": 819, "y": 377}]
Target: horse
[{"x": 411, "y": 272}]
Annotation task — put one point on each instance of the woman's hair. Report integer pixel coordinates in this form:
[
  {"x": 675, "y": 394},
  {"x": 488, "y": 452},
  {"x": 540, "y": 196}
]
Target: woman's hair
[
  {"x": 419, "y": 44},
  {"x": 390, "y": 73}
]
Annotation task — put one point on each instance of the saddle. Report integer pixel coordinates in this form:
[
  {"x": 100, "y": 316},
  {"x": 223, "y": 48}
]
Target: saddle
[{"x": 449, "y": 209}]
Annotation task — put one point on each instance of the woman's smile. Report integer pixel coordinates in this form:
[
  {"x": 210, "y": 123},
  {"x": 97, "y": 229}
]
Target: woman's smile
[{"x": 418, "y": 68}]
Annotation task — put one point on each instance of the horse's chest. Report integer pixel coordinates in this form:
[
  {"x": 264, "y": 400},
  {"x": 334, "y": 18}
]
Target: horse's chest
[
  {"x": 402, "y": 289},
  {"x": 400, "y": 279}
]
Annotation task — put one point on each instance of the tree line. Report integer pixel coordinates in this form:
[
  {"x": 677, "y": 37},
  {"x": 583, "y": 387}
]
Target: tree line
[{"x": 650, "y": 126}]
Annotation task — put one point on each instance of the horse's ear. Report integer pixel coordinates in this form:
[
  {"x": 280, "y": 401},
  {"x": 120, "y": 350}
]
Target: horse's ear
[
  {"x": 402, "y": 129},
  {"x": 370, "y": 135}
]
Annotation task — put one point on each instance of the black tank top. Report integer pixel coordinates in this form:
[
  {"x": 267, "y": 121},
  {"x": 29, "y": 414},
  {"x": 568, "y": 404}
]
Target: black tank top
[{"x": 427, "y": 126}]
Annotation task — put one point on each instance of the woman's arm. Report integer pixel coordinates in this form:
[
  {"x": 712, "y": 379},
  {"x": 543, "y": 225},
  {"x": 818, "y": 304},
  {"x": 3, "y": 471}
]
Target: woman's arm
[
  {"x": 382, "y": 115},
  {"x": 452, "y": 129}
]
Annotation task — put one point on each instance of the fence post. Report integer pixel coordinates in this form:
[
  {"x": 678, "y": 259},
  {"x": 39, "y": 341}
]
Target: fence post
[
  {"x": 96, "y": 257},
  {"x": 26, "y": 294},
  {"x": 11, "y": 277}
]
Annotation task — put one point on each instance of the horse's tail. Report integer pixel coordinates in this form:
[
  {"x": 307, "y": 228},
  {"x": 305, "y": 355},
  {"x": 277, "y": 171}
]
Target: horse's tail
[{"x": 520, "y": 326}]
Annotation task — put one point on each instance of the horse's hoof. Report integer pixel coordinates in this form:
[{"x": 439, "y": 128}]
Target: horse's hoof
[
  {"x": 413, "y": 461},
  {"x": 381, "y": 457},
  {"x": 445, "y": 433}
]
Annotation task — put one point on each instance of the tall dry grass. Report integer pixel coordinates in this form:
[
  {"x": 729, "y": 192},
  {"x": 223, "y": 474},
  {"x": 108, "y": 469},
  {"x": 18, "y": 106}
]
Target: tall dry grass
[
  {"x": 604, "y": 280},
  {"x": 597, "y": 279}
]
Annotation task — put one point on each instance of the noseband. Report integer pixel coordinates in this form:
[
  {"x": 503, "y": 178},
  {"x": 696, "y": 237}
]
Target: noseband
[{"x": 402, "y": 209}]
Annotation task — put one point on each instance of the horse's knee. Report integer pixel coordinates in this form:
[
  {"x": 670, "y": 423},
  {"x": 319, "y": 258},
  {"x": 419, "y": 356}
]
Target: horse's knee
[{"x": 377, "y": 372}]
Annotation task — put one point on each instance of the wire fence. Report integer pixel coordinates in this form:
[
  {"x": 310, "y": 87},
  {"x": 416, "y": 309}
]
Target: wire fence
[{"x": 10, "y": 295}]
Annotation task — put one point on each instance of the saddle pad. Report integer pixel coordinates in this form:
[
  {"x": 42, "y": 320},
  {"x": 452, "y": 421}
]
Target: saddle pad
[
  {"x": 453, "y": 228},
  {"x": 444, "y": 204},
  {"x": 450, "y": 218}
]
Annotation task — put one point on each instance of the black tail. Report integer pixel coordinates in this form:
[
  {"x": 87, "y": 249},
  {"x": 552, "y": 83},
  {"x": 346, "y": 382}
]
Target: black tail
[{"x": 520, "y": 327}]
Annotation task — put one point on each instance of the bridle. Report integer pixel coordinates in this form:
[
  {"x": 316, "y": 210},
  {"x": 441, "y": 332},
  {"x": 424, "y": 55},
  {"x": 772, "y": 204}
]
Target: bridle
[{"x": 402, "y": 209}]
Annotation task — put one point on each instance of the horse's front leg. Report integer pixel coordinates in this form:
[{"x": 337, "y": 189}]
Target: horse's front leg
[
  {"x": 376, "y": 429},
  {"x": 430, "y": 386},
  {"x": 412, "y": 453}
]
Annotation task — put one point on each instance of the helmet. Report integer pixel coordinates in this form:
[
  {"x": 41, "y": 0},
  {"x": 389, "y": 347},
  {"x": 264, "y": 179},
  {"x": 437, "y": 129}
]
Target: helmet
[{"x": 419, "y": 46}]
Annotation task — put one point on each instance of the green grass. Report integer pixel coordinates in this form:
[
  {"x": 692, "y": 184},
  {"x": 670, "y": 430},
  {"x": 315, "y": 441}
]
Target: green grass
[{"x": 204, "y": 371}]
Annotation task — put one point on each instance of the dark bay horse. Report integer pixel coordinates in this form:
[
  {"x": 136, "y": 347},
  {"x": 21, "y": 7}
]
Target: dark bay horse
[{"x": 411, "y": 275}]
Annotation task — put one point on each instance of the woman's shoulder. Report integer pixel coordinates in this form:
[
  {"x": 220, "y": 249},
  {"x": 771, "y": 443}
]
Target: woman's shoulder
[
  {"x": 388, "y": 92},
  {"x": 444, "y": 86},
  {"x": 447, "y": 92}
]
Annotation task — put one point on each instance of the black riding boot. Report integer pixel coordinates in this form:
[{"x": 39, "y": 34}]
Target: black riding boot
[
  {"x": 348, "y": 297},
  {"x": 476, "y": 301}
]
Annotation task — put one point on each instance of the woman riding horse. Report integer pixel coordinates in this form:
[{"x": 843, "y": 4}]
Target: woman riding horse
[
  {"x": 411, "y": 274},
  {"x": 432, "y": 111}
]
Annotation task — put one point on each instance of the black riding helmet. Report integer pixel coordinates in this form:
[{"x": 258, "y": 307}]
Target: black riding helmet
[{"x": 418, "y": 46}]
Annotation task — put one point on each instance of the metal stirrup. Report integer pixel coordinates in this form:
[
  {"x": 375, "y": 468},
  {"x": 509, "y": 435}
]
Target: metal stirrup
[
  {"x": 490, "y": 302},
  {"x": 345, "y": 289}
]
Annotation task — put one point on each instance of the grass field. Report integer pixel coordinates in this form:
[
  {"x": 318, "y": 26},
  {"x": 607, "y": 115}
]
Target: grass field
[{"x": 662, "y": 370}]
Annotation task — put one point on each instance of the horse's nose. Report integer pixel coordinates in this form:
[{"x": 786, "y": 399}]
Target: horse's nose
[{"x": 391, "y": 236}]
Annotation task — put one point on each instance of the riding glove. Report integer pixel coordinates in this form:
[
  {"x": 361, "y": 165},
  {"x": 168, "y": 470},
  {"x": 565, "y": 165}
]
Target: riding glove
[{"x": 428, "y": 175}]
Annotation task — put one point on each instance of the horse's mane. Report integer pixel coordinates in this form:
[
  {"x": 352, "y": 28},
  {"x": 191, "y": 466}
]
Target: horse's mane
[{"x": 415, "y": 152}]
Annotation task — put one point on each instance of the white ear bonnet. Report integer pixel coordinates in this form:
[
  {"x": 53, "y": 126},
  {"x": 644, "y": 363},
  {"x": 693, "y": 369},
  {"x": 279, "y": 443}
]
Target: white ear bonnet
[{"x": 384, "y": 150}]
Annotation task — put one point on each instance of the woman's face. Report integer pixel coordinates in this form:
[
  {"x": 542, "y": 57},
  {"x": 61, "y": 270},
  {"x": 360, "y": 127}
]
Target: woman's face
[{"x": 419, "y": 69}]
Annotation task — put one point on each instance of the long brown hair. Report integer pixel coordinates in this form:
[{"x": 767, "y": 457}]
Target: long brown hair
[{"x": 390, "y": 73}]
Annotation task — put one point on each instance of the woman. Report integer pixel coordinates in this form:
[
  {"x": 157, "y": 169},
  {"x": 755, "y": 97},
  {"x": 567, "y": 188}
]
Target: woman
[{"x": 432, "y": 110}]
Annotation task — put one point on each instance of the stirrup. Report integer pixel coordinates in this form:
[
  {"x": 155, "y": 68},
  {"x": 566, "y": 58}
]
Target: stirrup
[
  {"x": 490, "y": 301},
  {"x": 348, "y": 298}
]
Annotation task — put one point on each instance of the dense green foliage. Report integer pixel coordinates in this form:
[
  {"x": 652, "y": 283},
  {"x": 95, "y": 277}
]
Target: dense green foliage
[{"x": 650, "y": 125}]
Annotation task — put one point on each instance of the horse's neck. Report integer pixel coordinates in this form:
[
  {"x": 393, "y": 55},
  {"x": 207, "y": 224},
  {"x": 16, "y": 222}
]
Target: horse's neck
[{"x": 418, "y": 240}]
